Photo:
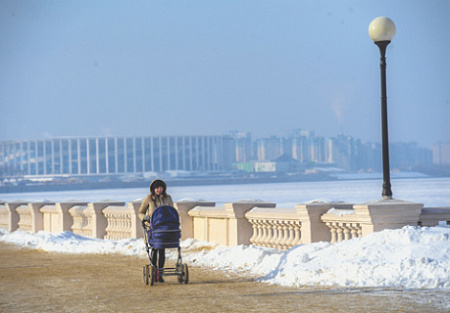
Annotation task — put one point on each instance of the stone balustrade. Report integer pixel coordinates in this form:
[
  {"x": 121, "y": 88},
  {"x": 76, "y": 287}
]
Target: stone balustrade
[
  {"x": 25, "y": 218},
  {"x": 118, "y": 222},
  {"x": 242, "y": 222},
  {"x": 274, "y": 228},
  {"x": 82, "y": 224},
  {"x": 343, "y": 224},
  {"x": 9, "y": 216},
  {"x": 225, "y": 225},
  {"x": 432, "y": 216},
  {"x": 314, "y": 229},
  {"x": 30, "y": 218},
  {"x": 4, "y": 216},
  {"x": 56, "y": 217},
  {"x": 343, "y": 230},
  {"x": 186, "y": 222}
]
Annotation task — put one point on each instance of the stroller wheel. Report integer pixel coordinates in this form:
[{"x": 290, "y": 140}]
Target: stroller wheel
[
  {"x": 179, "y": 269},
  {"x": 151, "y": 274},
  {"x": 146, "y": 274},
  {"x": 184, "y": 273}
]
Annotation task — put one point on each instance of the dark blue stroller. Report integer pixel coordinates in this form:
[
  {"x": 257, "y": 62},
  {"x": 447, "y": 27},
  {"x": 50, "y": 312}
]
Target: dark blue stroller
[{"x": 164, "y": 232}]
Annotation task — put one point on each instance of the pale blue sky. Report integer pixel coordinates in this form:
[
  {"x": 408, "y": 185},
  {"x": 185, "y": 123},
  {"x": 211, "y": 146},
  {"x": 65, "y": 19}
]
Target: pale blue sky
[{"x": 88, "y": 68}]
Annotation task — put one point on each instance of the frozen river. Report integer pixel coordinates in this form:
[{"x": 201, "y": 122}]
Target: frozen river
[{"x": 431, "y": 192}]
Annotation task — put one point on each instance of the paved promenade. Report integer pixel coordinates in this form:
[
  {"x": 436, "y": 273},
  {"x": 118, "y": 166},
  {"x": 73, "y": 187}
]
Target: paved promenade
[{"x": 35, "y": 281}]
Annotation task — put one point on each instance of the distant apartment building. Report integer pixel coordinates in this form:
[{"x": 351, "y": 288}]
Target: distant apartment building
[
  {"x": 271, "y": 148},
  {"x": 371, "y": 157},
  {"x": 116, "y": 155},
  {"x": 302, "y": 146},
  {"x": 243, "y": 146},
  {"x": 318, "y": 150},
  {"x": 441, "y": 153},
  {"x": 404, "y": 156},
  {"x": 345, "y": 152}
]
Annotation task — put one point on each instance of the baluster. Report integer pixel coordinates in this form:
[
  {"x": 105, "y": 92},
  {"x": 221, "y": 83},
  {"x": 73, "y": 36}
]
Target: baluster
[
  {"x": 332, "y": 232},
  {"x": 264, "y": 233},
  {"x": 297, "y": 233},
  {"x": 346, "y": 231},
  {"x": 277, "y": 240},
  {"x": 260, "y": 232},
  {"x": 255, "y": 232},
  {"x": 359, "y": 231},
  {"x": 340, "y": 233},
  {"x": 354, "y": 230},
  {"x": 291, "y": 234},
  {"x": 285, "y": 230},
  {"x": 271, "y": 233}
]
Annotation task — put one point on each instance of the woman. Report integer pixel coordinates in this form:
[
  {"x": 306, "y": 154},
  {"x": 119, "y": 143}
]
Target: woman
[{"x": 156, "y": 198}]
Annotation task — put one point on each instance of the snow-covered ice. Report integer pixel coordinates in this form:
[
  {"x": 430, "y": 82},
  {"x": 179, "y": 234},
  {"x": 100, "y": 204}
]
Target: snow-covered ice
[{"x": 431, "y": 192}]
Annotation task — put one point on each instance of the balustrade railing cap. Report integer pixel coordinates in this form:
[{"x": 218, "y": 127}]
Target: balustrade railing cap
[
  {"x": 272, "y": 213},
  {"x": 72, "y": 202},
  {"x": 19, "y": 202},
  {"x": 100, "y": 205},
  {"x": 317, "y": 202},
  {"x": 389, "y": 202},
  {"x": 238, "y": 209},
  {"x": 199, "y": 202},
  {"x": 109, "y": 201},
  {"x": 43, "y": 203},
  {"x": 436, "y": 210}
]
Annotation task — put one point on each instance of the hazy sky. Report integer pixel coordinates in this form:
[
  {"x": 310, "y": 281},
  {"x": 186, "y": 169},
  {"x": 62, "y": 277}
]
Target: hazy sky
[{"x": 89, "y": 68}]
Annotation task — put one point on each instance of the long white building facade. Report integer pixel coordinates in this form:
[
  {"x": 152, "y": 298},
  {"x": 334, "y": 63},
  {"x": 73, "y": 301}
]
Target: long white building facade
[{"x": 115, "y": 155}]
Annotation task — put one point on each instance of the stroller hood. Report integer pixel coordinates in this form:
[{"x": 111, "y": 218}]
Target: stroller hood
[
  {"x": 164, "y": 228},
  {"x": 165, "y": 215}
]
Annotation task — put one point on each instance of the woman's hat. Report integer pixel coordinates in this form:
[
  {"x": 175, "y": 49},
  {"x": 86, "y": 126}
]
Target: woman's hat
[{"x": 157, "y": 183}]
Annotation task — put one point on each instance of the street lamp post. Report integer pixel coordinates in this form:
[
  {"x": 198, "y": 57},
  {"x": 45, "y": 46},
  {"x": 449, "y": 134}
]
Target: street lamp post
[{"x": 382, "y": 30}]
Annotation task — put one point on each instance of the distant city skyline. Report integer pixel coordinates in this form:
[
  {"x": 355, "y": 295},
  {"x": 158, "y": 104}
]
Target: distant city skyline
[
  {"x": 89, "y": 156},
  {"x": 153, "y": 68},
  {"x": 230, "y": 132}
]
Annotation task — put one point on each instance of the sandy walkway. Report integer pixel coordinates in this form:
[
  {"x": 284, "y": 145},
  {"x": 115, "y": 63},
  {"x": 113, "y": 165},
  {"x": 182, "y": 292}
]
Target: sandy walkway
[{"x": 35, "y": 281}]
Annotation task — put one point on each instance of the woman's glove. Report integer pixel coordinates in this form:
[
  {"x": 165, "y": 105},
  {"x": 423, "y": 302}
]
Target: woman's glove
[{"x": 146, "y": 218}]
